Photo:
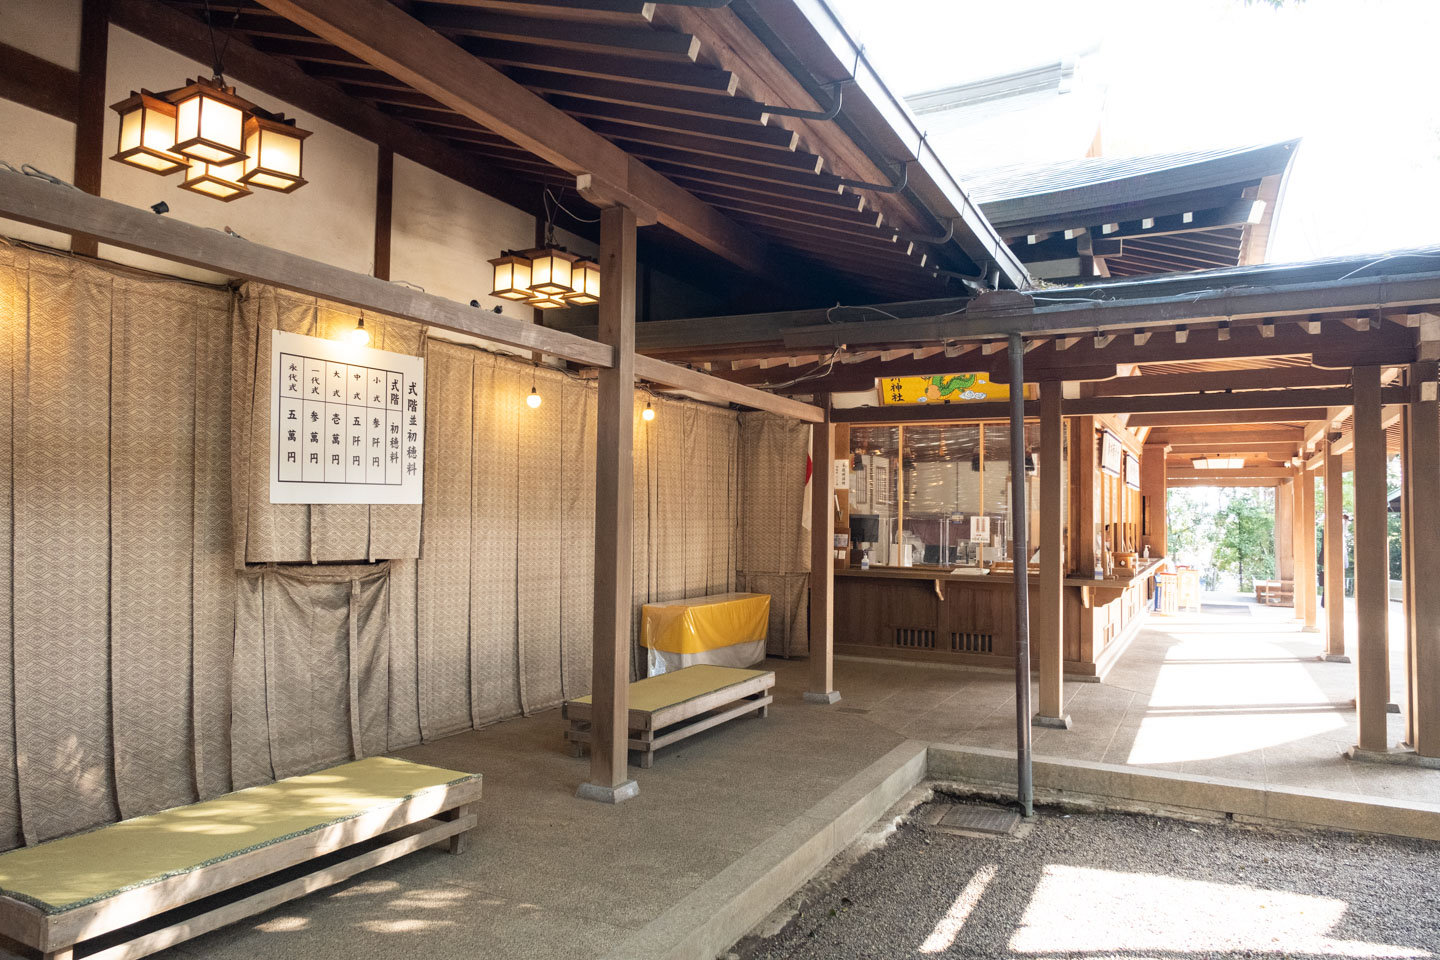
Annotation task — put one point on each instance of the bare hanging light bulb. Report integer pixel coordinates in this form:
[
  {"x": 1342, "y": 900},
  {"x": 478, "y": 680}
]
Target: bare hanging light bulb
[
  {"x": 360, "y": 337},
  {"x": 648, "y": 413},
  {"x": 534, "y": 399}
]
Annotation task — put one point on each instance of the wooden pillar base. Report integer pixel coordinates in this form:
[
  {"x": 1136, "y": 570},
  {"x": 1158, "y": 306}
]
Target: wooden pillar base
[
  {"x": 603, "y": 794},
  {"x": 830, "y": 696}
]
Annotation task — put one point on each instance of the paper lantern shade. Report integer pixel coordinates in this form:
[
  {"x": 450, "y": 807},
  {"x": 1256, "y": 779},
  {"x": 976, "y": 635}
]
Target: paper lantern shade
[
  {"x": 551, "y": 271},
  {"x": 147, "y": 133},
  {"x": 215, "y": 180},
  {"x": 273, "y": 154},
  {"x": 585, "y": 278},
  {"x": 543, "y": 302},
  {"x": 511, "y": 278},
  {"x": 210, "y": 122}
]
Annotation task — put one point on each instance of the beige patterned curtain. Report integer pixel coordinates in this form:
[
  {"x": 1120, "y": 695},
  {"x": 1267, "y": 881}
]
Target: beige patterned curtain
[
  {"x": 291, "y": 532},
  {"x": 142, "y": 667},
  {"x": 115, "y": 557},
  {"x": 774, "y": 547}
]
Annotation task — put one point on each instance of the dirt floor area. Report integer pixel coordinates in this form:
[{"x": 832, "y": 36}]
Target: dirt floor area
[{"x": 1091, "y": 885}]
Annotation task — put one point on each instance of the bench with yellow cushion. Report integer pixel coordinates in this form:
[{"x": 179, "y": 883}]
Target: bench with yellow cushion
[
  {"x": 57, "y": 894},
  {"x": 660, "y": 707}
]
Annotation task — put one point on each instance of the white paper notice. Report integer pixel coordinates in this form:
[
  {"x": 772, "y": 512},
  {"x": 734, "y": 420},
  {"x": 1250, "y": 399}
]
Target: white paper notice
[{"x": 347, "y": 423}]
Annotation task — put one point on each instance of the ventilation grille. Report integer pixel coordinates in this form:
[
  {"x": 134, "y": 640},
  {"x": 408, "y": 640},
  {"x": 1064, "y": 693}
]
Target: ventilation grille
[
  {"x": 915, "y": 638},
  {"x": 972, "y": 642}
]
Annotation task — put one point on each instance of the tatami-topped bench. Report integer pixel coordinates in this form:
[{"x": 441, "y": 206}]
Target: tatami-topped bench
[
  {"x": 174, "y": 868},
  {"x": 676, "y": 705}
]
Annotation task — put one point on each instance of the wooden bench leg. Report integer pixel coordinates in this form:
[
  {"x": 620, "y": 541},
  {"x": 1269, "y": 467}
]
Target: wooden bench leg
[{"x": 456, "y": 844}]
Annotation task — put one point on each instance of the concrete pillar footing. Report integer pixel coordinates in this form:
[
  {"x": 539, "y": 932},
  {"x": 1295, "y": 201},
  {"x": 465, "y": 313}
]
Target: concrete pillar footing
[
  {"x": 1053, "y": 723},
  {"x": 618, "y": 794},
  {"x": 1333, "y": 658},
  {"x": 832, "y": 696},
  {"x": 1400, "y": 756}
]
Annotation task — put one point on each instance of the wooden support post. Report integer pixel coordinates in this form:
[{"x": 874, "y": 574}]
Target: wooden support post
[
  {"x": 614, "y": 509},
  {"x": 1305, "y": 592},
  {"x": 822, "y": 560},
  {"x": 90, "y": 108},
  {"x": 1085, "y": 517},
  {"x": 1372, "y": 564},
  {"x": 1154, "y": 486},
  {"x": 384, "y": 210},
  {"x": 1334, "y": 554},
  {"x": 1423, "y": 470},
  {"x": 1049, "y": 611},
  {"x": 1285, "y": 532},
  {"x": 1407, "y": 575}
]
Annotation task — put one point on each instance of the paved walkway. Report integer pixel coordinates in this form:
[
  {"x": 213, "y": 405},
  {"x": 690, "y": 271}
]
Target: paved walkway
[{"x": 1235, "y": 691}]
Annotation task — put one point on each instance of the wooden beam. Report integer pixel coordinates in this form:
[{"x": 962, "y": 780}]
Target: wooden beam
[
  {"x": 1119, "y": 315},
  {"x": 714, "y": 388},
  {"x": 1266, "y": 415},
  {"x": 1281, "y": 449},
  {"x": 383, "y": 35},
  {"x": 614, "y": 515},
  {"x": 635, "y": 40},
  {"x": 822, "y": 561},
  {"x": 1235, "y": 473},
  {"x": 36, "y": 202},
  {"x": 1372, "y": 563},
  {"x": 384, "y": 210},
  {"x": 1049, "y": 610},
  {"x": 39, "y": 84},
  {"x": 1302, "y": 401},
  {"x": 1334, "y": 547},
  {"x": 1234, "y": 439},
  {"x": 1273, "y": 378},
  {"x": 90, "y": 108},
  {"x": 683, "y": 75},
  {"x": 1180, "y": 483}
]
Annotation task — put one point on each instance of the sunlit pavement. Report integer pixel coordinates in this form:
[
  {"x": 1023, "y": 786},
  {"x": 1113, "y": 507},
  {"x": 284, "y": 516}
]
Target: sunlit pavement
[{"x": 1236, "y": 691}]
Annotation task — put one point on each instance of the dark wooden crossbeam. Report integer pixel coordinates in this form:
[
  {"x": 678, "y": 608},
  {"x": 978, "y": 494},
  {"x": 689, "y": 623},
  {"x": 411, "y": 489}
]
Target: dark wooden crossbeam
[
  {"x": 637, "y": 41},
  {"x": 682, "y": 75},
  {"x": 717, "y": 127},
  {"x": 699, "y": 104}
]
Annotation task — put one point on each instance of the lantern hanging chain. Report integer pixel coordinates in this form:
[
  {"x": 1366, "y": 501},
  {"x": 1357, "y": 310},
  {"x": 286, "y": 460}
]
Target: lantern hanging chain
[{"x": 218, "y": 52}]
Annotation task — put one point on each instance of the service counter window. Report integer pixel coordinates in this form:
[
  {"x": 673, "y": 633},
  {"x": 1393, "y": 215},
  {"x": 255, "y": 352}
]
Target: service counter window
[{"x": 938, "y": 494}]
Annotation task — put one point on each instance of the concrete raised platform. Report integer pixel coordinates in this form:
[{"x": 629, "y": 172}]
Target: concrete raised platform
[
  {"x": 1133, "y": 788},
  {"x": 724, "y": 909}
]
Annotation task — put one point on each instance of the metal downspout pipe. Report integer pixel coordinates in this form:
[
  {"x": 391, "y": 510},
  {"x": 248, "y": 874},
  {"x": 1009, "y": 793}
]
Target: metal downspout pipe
[{"x": 1020, "y": 516}]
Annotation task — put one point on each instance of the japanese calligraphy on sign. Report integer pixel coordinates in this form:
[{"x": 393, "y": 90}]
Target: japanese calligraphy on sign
[{"x": 347, "y": 423}]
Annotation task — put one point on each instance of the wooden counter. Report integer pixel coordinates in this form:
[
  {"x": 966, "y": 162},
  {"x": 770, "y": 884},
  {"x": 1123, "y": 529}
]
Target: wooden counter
[{"x": 935, "y": 614}]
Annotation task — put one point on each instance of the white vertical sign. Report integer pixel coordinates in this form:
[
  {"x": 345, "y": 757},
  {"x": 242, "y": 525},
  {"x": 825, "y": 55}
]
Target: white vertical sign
[{"x": 347, "y": 423}]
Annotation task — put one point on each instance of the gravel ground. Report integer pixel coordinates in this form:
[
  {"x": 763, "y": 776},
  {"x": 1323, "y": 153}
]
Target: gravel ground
[{"x": 1115, "y": 885}]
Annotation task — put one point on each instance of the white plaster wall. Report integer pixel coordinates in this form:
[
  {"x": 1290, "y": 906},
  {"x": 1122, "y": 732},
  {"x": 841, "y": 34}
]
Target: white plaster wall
[
  {"x": 443, "y": 232},
  {"x": 29, "y": 136},
  {"x": 332, "y": 218},
  {"x": 50, "y": 29}
]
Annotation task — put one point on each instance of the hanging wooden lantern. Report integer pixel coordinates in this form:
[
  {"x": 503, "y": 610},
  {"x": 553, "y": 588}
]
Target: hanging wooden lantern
[
  {"x": 147, "y": 134},
  {"x": 585, "y": 278},
  {"x": 210, "y": 122},
  {"x": 273, "y": 153},
  {"x": 551, "y": 271},
  {"x": 215, "y": 180},
  {"x": 544, "y": 302},
  {"x": 511, "y": 277}
]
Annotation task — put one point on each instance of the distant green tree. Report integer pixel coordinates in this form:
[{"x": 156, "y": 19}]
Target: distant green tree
[{"x": 1245, "y": 542}]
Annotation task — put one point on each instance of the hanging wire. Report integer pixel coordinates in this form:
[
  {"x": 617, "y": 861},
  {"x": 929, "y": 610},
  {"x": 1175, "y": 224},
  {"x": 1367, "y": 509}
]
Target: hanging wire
[
  {"x": 219, "y": 51},
  {"x": 550, "y": 198}
]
